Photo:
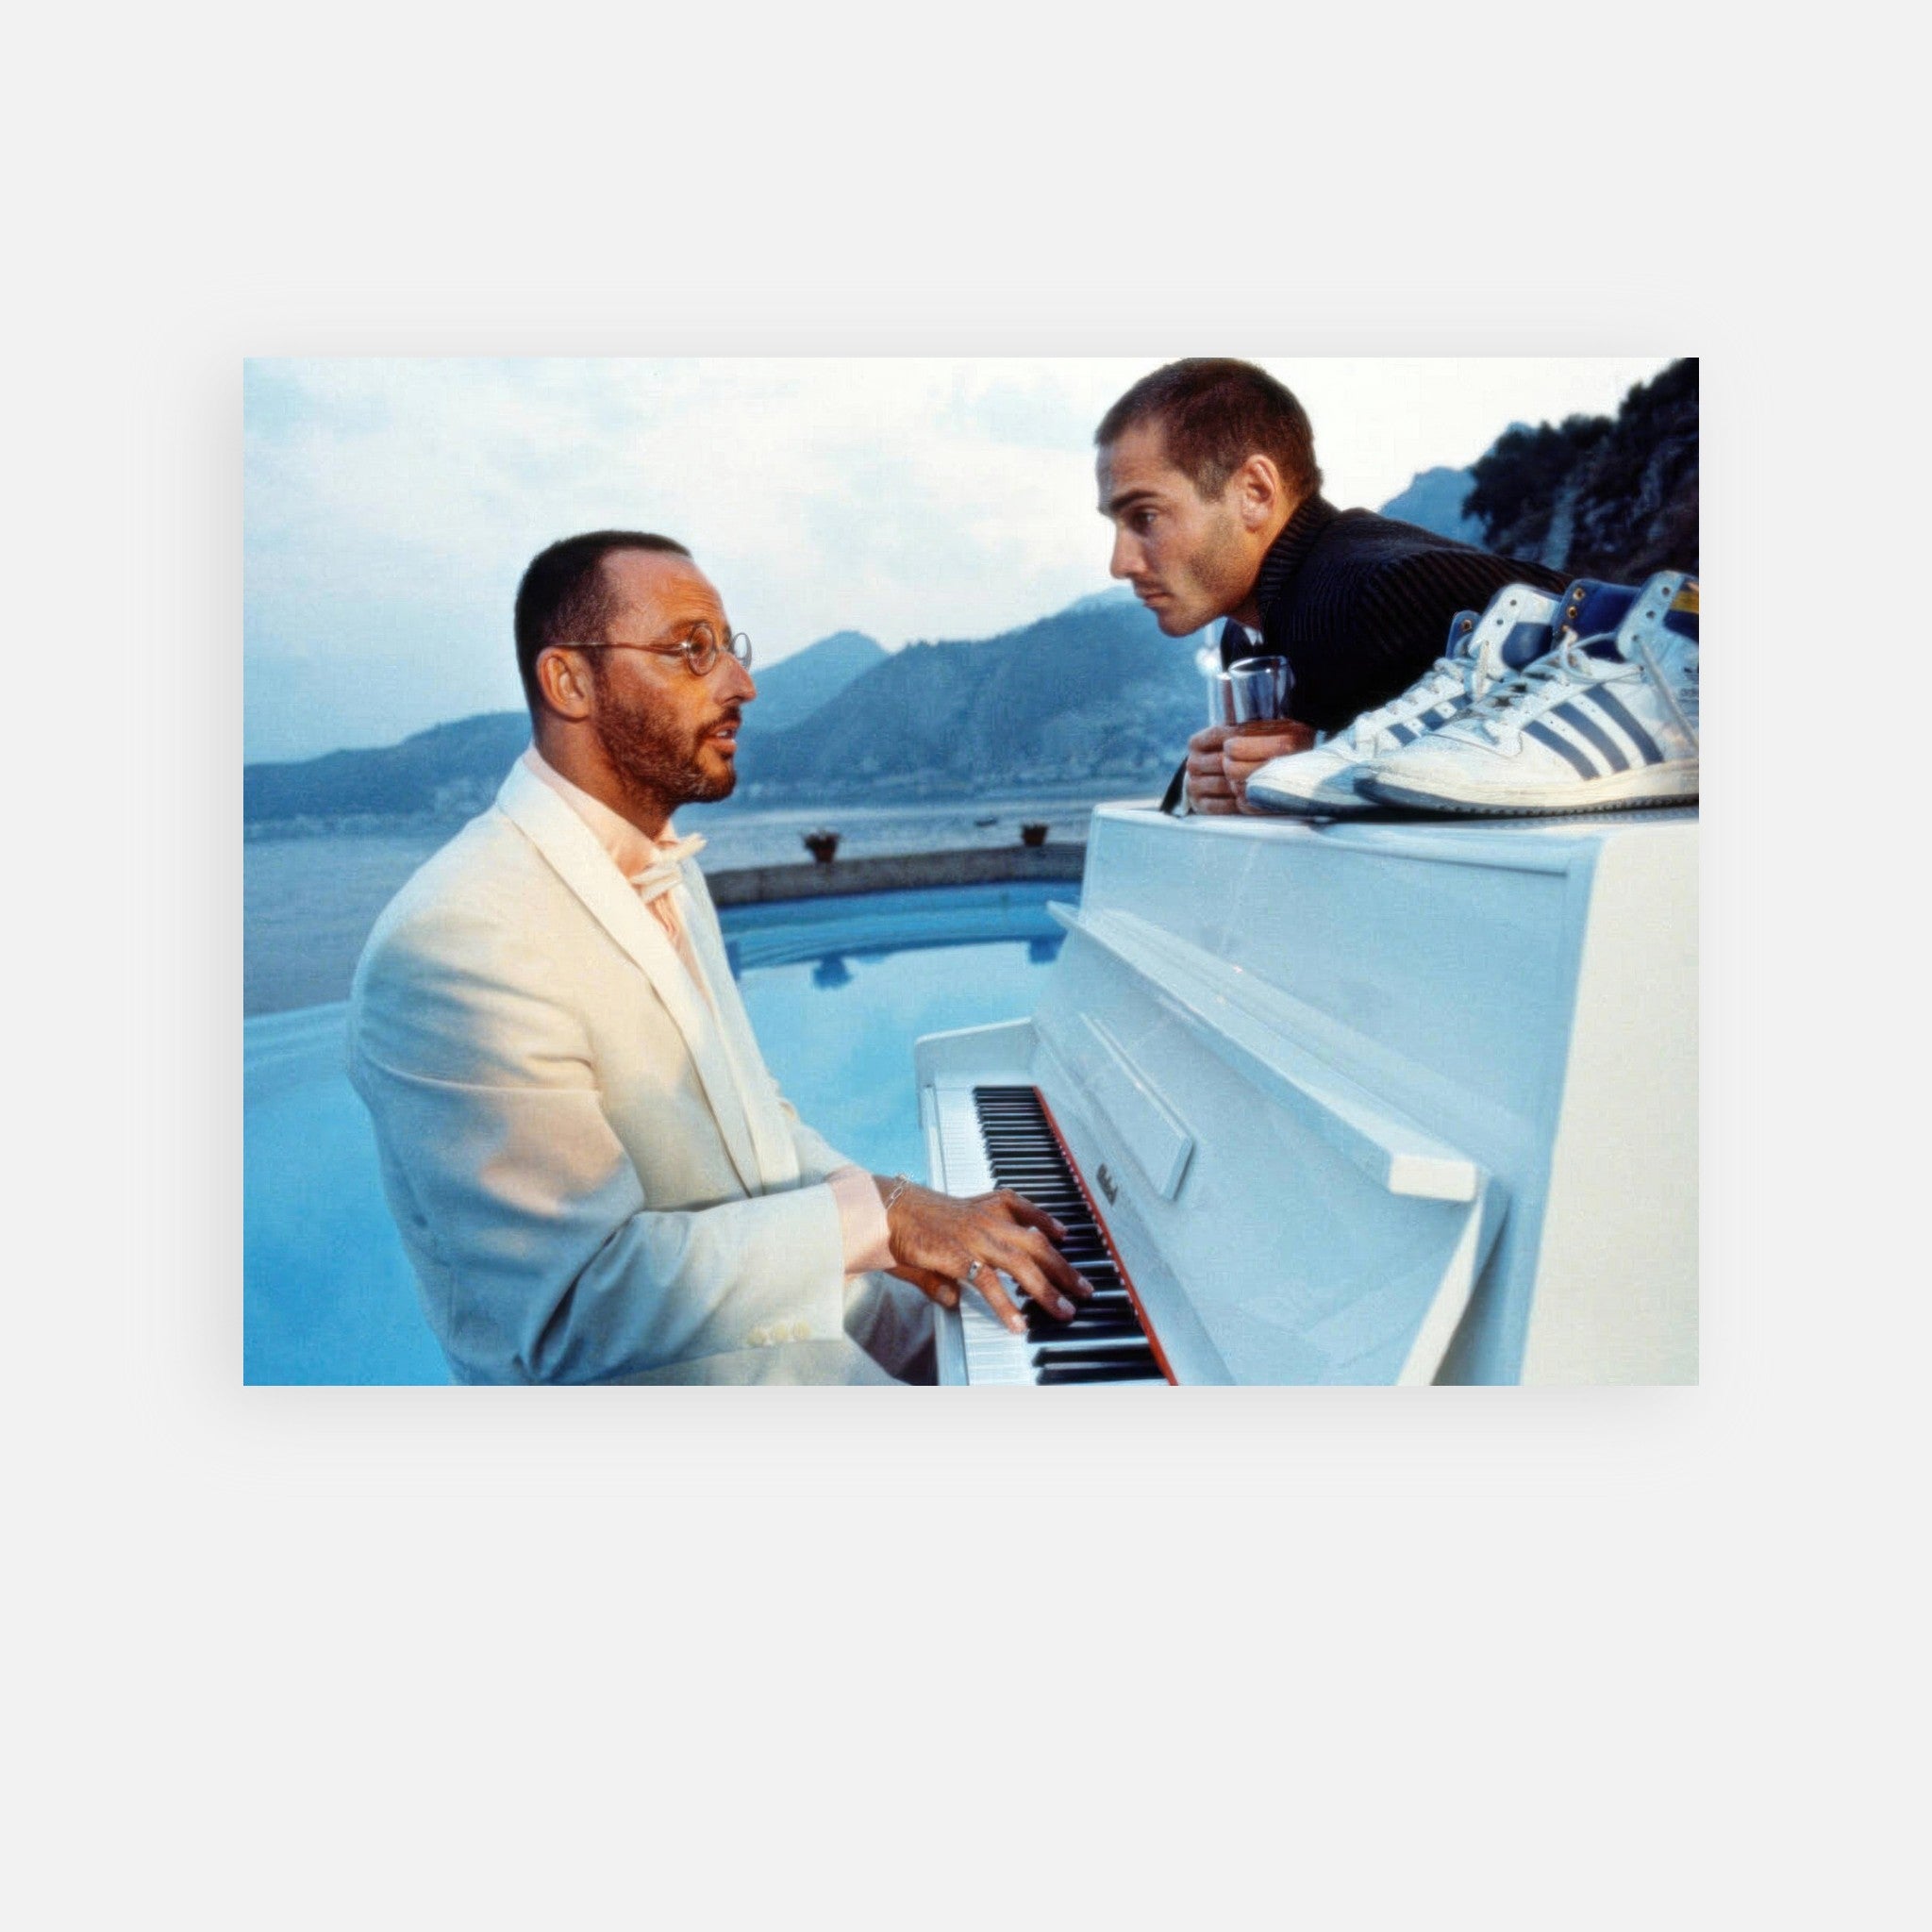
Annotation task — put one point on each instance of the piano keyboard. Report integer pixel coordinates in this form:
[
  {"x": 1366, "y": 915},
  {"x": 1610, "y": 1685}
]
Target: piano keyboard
[{"x": 1008, "y": 1141}]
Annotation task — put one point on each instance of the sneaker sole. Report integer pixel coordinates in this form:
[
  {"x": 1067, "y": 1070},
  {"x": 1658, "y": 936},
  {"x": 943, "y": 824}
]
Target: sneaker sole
[
  {"x": 1648, "y": 785},
  {"x": 1289, "y": 803}
]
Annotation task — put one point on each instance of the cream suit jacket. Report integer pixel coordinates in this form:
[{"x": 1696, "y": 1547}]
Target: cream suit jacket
[{"x": 593, "y": 1172}]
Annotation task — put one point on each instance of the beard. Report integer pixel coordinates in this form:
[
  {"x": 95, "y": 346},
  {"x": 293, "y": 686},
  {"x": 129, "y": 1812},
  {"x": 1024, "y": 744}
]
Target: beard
[{"x": 657, "y": 763}]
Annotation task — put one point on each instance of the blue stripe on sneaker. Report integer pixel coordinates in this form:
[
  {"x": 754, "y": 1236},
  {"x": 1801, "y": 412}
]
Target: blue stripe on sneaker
[
  {"x": 1403, "y": 733},
  {"x": 1441, "y": 714},
  {"x": 1614, "y": 709},
  {"x": 1543, "y": 735},
  {"x": 1590, "y": 728}
]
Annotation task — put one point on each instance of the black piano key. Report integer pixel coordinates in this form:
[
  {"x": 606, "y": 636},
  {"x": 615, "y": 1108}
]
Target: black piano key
[
  {"x": 1084, "y": 1320},
  {"x": 1094, "y": 1352},
  {"x": 1047, "y": 1329},
  {"x": 1055, "y": 1375},
  {"x": 1111, "y": 1303},
  {"x": 1110, "y": 1308}
]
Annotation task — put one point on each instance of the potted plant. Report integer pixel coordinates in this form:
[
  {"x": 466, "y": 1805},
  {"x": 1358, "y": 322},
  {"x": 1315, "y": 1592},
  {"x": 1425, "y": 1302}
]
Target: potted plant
[
  {"x": 822, "y": 845},
  {"x": 1033, "y": 834}
]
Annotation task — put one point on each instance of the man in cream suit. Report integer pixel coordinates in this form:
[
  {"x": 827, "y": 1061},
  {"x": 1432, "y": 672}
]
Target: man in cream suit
[{"x": 593, "y": 1172}]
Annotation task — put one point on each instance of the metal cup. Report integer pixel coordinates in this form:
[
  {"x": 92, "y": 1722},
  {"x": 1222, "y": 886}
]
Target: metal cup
[{"x": 1258, "y": 689}]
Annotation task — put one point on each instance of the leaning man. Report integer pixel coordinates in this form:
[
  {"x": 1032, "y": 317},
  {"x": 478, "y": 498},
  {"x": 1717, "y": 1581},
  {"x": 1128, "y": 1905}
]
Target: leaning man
[
  {"x": 1208, "y": 474},
  {"x": 593, "y": 1172}
]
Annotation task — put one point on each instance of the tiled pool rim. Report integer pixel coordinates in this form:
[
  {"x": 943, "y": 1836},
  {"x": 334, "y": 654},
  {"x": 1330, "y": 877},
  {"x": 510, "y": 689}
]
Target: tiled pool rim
[{"x": 898, "y": 872}]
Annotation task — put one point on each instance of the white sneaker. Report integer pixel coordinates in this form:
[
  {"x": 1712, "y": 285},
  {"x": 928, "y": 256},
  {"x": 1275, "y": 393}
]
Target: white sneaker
[
  {"x": 1513, "y": 632},
  {"x": 1608, "y": 720}
]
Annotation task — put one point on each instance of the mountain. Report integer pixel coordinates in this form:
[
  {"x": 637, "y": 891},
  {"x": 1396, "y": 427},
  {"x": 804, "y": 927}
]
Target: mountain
[
  {"x": 1102, "y": 600},
  {"x": 1597, "y": 495},
  {"x": 1095, "y": 690},
  {"x": 1437, "y": 500},
  {"x": 445, "y": 771},
  {"x": 790, "y": 692}
]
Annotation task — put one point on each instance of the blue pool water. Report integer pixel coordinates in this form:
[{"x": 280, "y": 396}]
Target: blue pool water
[{"x": 838, "y": 990}]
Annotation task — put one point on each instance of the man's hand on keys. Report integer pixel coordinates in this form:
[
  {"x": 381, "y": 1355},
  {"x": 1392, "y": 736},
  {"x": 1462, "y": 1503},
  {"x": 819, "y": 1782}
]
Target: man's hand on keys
[{"x": 939, "y": 1242}]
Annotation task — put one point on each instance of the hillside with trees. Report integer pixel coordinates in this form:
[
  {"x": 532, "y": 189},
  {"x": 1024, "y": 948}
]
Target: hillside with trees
[
  {"x": 1095, "y": 690},
  {"x": 1597, "y": 495}
]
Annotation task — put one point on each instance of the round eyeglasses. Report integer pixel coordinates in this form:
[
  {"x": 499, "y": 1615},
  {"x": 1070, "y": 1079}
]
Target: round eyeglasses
[{"x": 701, "y": 649}]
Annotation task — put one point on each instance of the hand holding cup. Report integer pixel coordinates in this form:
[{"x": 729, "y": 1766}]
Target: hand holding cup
[{"x": 1257, "y": 693}]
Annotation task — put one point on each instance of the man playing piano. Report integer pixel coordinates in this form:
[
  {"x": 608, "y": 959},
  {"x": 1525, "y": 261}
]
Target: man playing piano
[
  {"x": 1207, "y": 472},
  {"x": 593, "y": 1172}
]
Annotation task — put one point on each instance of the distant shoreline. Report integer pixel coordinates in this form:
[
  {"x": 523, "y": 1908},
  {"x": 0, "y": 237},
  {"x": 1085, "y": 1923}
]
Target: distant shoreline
[{"x": 1002, "y": 797}]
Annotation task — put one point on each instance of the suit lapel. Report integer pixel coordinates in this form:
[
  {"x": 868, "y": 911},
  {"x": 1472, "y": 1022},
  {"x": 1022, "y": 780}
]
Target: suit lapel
[
  {"x": 777, "y": 1154},
  {"x": 572, "y": 852}
]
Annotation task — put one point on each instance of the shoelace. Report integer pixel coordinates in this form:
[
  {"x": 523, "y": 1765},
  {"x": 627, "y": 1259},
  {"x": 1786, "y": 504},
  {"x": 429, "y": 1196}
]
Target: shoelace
[
  {"x": 1669, "y": 697},
  {"x": 1448, "y": 678},
  {"x": 1530, "y": 687}
]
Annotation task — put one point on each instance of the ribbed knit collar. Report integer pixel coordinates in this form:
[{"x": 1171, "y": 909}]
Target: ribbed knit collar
[{"x": 1290, "y": 550}]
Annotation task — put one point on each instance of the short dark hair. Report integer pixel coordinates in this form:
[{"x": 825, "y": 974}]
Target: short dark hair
[
  {"x": 1215, "y": 413},
  {"x": 563, "y": 598}
]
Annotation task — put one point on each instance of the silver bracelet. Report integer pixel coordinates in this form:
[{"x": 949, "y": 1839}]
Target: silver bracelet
[{"x": 898, "y": 1188}]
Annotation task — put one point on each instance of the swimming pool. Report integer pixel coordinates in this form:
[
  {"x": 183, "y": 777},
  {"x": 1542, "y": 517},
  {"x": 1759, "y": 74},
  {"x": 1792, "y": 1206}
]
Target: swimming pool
[{"x": 838, "y": 990}]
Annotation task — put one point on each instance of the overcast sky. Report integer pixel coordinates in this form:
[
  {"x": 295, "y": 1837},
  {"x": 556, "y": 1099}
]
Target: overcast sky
[{"x": 392, "y": 505}]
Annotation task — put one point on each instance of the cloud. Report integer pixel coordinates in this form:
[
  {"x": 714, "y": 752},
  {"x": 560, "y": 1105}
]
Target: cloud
[{"x": 391, "y": 505}]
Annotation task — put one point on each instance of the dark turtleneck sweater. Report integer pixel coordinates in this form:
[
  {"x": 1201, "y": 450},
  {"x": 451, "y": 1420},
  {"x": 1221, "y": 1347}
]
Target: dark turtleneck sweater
[{"x": 1360, "y": 607}]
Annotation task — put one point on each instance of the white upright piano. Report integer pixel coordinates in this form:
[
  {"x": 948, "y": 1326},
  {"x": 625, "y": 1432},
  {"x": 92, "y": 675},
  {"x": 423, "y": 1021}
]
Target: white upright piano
[{"x": 1325, "y": 1101}]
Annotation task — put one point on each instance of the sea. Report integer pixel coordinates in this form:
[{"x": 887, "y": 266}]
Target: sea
[{"x": 311, "y": 898}]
